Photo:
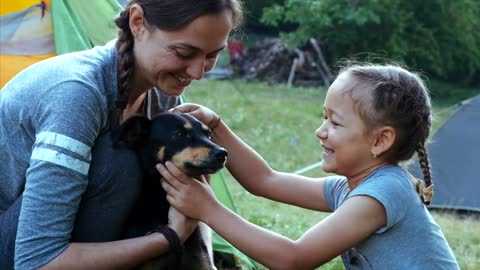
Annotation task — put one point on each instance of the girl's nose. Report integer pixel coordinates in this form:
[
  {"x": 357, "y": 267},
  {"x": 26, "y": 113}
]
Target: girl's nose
[{"x": 321, "y": 132}]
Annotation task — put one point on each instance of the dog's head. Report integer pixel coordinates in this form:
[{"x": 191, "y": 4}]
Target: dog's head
[{"x": 179, "y": 138}]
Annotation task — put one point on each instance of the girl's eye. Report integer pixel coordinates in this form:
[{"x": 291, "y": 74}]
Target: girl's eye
[{"x": 335, "y": 124}]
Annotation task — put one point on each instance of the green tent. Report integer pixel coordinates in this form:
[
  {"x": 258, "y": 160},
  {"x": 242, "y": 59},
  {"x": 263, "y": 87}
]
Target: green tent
[{"x": 79, "y": 25}]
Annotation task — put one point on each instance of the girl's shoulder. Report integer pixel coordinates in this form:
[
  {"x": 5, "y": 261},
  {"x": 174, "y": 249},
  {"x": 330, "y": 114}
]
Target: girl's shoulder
[
  {"x": 391, "y": 175},
  {"x": 335, "y": 190},
  {"x": 390, "y": 185}
]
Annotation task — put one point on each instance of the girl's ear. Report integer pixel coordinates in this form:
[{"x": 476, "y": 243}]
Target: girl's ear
[
  {"x": 383, "y": 139},
  {"x": 136, "y": 21}
]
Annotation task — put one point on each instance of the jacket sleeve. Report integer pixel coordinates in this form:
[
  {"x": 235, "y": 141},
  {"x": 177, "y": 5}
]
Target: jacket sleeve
[{"x": 67, "y": 121}]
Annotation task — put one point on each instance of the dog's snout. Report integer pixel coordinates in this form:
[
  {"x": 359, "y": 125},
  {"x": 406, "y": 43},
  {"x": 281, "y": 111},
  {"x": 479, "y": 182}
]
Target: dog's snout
[{"x": 220, "y": 154}]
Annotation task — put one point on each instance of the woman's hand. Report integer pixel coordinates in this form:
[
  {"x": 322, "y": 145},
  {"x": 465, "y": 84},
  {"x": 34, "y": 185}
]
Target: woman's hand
[
  {"x": 192, "y": 197},
  {"x": 181, "y": 224},
  {"x": 202, "y": 113}
]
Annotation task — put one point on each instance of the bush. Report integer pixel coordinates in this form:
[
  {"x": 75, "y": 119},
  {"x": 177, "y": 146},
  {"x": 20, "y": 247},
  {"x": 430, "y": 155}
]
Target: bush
[{"x": 442, "y": 38}]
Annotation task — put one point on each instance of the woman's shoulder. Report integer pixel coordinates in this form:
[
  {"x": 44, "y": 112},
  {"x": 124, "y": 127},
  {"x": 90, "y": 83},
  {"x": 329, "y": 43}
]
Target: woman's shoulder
[{"x": 97, "y": 61}]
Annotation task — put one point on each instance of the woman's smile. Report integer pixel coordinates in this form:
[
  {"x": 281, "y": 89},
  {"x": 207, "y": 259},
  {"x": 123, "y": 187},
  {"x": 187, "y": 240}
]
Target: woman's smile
[{"x": 183, "y": 81}]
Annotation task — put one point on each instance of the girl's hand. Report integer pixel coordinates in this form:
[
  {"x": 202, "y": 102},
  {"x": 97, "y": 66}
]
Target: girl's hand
[
  {"x": 181, "y": 224},
  {"x": 193, "y": 197},
  {"x": 202, "y": 113}
]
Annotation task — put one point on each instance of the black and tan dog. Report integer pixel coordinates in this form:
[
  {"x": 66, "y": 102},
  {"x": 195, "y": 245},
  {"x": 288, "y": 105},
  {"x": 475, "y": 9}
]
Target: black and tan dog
[{"x": 185, "y": 141}]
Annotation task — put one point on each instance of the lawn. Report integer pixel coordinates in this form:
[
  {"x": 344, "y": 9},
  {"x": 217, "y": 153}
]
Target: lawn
[{"x": 280, "y": 122}]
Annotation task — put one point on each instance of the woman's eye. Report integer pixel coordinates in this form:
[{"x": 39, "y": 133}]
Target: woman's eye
[
  {"x": 212, "y": 56},
  {"x": 182, "y": 54}
]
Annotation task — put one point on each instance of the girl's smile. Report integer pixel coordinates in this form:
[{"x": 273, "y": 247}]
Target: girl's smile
[{"x": 327, "y": 152}]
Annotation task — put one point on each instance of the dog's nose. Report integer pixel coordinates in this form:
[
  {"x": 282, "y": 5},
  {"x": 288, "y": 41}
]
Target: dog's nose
[{"x": 220, "y": 154}]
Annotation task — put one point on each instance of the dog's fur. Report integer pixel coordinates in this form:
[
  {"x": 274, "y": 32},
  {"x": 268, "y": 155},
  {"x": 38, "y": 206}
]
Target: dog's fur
[{"x": 185, "y": 141}]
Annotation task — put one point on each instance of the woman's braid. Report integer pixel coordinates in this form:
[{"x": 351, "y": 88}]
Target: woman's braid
[{"x": 126, "y": 65}]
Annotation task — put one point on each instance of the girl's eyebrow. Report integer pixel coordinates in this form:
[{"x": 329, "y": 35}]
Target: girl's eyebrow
[
  {"x": 333, "y": 112},
  {"x": 193, "y": 48}
]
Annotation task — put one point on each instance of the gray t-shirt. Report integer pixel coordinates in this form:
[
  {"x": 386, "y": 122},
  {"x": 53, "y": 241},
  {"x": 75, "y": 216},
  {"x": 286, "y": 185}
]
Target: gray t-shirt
[
  {"x": 411, "y": 239},
  {"x": 50, "y": 115}
]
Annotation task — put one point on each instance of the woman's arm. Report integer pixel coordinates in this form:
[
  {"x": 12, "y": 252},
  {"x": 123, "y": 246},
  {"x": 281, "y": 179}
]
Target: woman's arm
[
  {"x": 122, "y": 254},
  {"x": 354, "y": 221},
  {"x": 254, "y": 173}
]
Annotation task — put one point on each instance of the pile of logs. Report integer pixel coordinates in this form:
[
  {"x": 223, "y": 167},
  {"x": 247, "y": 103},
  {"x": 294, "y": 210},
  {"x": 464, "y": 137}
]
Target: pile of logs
[{"x": 270, "y": 60}]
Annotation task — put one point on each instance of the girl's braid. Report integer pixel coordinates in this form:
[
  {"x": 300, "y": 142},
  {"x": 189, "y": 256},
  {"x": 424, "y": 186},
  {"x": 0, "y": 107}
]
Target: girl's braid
[{"x": 425, "y": 187}]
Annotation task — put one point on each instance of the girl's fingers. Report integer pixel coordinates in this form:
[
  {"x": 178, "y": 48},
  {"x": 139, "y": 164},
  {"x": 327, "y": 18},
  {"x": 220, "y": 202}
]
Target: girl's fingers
[
  {"x": 172, "y": 180},
  {"x": 172, "y": 200},
  {"x": 168, "y": 187},
  {"x": 205, "y": 181},
  {"x": 208, "y": 178},
  {"x": 165, "y": 185},
  {"x": 177, "y": 173},
  {"x": 185, "y": 108}
]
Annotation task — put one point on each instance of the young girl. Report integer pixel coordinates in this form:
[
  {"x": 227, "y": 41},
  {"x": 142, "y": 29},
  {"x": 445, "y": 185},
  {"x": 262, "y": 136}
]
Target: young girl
[{"x": 375, "y": 117}]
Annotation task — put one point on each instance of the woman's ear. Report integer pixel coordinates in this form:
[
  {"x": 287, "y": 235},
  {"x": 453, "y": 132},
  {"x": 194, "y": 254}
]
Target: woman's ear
[
  {"x": 383, "y": 139},
  {"x": 136, "y": 20}
]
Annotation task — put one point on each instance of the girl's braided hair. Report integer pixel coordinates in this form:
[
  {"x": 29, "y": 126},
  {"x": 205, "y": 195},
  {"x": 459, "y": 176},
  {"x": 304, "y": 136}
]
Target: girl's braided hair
[
  {"x": 398, "y": 99},
  {"x": 166, "y": 15}
]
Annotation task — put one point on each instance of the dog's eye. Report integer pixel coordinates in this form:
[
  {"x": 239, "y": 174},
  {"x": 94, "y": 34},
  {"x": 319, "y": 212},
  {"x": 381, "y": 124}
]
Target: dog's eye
[
  {"x": 180, "y": 133},
  {"x": 208, "y": 133}
]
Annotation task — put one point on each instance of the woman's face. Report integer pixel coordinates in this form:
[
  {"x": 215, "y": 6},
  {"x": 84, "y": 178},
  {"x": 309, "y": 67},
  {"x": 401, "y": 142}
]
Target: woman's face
[{"x": 170, "y": 60}]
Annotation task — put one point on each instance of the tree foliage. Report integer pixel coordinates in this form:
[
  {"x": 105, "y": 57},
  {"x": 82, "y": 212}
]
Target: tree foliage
[
  {"x": 437, "y": 36},
  {"x": 253, "y": 15}
]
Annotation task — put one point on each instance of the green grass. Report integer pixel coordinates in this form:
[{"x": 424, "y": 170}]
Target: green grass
[{"x": 280, "y": 122}]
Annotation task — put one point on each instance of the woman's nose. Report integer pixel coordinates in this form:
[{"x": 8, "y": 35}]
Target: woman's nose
[{"x": 196, "y": 68}]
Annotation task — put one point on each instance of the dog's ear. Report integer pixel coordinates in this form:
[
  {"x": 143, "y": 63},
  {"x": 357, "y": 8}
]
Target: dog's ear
[{"x": 133, "y": 132}]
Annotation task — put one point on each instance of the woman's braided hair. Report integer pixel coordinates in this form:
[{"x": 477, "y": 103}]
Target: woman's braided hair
[
  {"x": 398, "y": 99},
  {"x": 166, "y": 15}
]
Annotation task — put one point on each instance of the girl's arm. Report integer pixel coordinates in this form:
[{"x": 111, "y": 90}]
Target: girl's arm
[
  {"x": 355, "y": 220},
  {"x": 253, "y": 172}
]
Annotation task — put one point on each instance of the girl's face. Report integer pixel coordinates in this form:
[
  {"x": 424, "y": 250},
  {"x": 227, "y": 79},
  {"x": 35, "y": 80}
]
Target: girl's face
[
  {"x": 343, "y": 134},
  {"x": 170, "y": 60}
]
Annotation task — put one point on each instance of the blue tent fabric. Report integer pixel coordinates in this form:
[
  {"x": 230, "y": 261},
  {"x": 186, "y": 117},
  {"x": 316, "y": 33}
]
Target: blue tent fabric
[{"x": 454, "y": 154}]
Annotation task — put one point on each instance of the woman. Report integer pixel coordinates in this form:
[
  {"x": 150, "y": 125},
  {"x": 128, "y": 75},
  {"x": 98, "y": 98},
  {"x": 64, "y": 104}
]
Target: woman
[{"x": 62, "y": 204}]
